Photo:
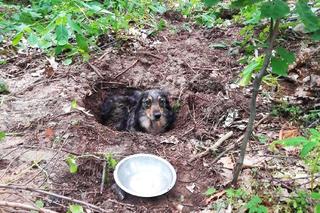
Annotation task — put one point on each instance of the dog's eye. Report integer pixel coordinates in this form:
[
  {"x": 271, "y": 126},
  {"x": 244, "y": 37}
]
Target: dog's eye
[
  {"x": 162, "y": 102},
  {"x": 147, "y": 103}
]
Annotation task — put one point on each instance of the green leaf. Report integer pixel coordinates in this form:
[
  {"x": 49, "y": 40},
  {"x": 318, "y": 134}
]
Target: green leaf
[
  {"x": 317, "y": 208},
  {"x": 248, "y": 70},
  {"x": 76, "y": 209},
  {"x": 274, "y": 9},
  {"x": 308, "y": 147},
  {"x": 3, "y": 88},
  {"x": 39, "y": 203},
  {"x": 61, "y": 35},
  {"x": 210, "y": 3},
  {"x": 68, "y": 61},
  {"x": 308, "y": 18},
  {"x": 253, "y": 202},
  {"x": 74, "y": 26},
  {"x": 287, "y": 56},
  {"x": 82, "y": 43},
  {"x": 279, "y": 66},
  {"x": 71, "y": 161},
  {"x": 74, "y": 104},
  {"x": 314, "y": 133},
  {"x": 111, "y": 161},
  {"x": 315, "y": 195},
  {"x": 296, "y": 141},
  {"x": 210, "y": 191},
  {"x": 316, "y": 36},
  {"x": 243, "y": 3},
  {"x": 44, "y": 43},
  {"x": 17, "y": 38},
  {"x": 33, "y": 40},
  {"x": 2, "y": 135}
]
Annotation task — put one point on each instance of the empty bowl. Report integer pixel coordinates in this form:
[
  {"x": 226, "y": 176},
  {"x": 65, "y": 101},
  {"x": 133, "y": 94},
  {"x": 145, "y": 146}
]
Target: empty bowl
[{"x": 145, "y": 175}]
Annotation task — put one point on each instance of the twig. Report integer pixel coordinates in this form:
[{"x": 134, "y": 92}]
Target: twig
[
  {"x": 24, "y": 206},
  {"x": 238, "y": 140},
  {"x": 96, "y": 70},
  {"x": 150, "y": 54},
  {"x": 12, "y": 161},
  {"x": 223, "y": 153},
  {"x": 213, "y": 147},
  {"x": 122, "y": 204},
  {"x": 15, "y": 187},
  {"x": 124, "y": 71},
  {"x": 205, "y": 68},
  {"x": 188, "y": 65},
  {"x": 103, "y": 179}
]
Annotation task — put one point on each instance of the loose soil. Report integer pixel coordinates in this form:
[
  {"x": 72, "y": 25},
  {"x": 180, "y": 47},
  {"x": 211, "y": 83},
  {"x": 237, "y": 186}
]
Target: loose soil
[{"x": 201, "y": 80}]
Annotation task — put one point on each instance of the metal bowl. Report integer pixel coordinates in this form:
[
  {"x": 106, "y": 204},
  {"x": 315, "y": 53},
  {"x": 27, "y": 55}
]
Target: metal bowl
[{"x": 145, "y": 175}]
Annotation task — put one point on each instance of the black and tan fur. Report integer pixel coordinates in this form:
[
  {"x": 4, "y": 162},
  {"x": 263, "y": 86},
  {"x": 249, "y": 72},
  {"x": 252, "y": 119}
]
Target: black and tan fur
[{"x": 148, "y": 111}]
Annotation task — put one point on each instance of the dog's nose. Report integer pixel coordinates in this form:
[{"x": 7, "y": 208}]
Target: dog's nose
[{"x": 157, "y": 115}]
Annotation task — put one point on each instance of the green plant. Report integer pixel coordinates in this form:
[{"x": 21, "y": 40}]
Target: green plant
[
  {"x": 2, "y": 135},
  {"x": 234, "y": 194},
  {"x": 299, "y": 202},
  {"x": 111, "y": 161},
  {"x": 75, "y": 209},
  {"x": 311, "y": 116},
  {"x": 210, "y": 191},
  {"x": 310, "y": 150},
  {"x": 3, "y": 87},
  {"x": 254, "y": 205},
  {"x": 69, "y": 28},
  {"x": 72, "y": 163},
  {"x": 286, "y": 110}
]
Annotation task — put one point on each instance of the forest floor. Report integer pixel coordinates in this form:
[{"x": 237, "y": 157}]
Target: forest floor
[{"x": 201, "y": 77}]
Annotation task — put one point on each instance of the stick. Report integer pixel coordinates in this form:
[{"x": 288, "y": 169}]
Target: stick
[
  {"x": 24, "y": 206},
  {"x": 103, "y": 179},
  {"x": 213, "y": 147},
  {"x": 238, "y": 140},
  {"x": 96, "y": 70},
  {"x": 15, "y": 187},
  {"x": 124, "y": 71},
  {"x": 205, "y": 68},
  {"x": 150, "y": 54}
]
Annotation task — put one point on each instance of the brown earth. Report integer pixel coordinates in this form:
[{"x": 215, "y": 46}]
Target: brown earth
[{"x": 44, "y": 129}]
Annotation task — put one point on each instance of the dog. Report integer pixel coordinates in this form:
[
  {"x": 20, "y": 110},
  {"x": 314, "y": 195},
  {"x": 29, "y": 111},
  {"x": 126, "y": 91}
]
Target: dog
[{"x": 146, "y": 111}]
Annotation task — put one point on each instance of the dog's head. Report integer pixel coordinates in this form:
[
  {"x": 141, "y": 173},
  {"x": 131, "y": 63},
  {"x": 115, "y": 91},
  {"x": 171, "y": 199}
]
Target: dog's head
[{"x": 155, "y": 104}]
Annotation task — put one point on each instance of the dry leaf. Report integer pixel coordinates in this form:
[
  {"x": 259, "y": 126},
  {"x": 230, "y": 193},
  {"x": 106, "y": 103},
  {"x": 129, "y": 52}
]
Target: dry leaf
[
  {"x": 49, "y": 133},
  {"x": 49, "y": 72},
  {"x": 288, "y": 133},
  {"x": 215, "y": 196},
  {"x": 191, "y": 187}
]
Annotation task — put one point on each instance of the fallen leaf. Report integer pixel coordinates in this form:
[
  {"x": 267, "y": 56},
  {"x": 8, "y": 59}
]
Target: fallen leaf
[
  {"x": 53, "y": 63},
  {"x": 215, "y": 196},
  {"x": 49, "y": 133},
  {"x": 48, "y": 71},
  {"x": 191, "y": 187},
  {"x": 170, "y": 140},
  {"x": 288, "y": 133}
]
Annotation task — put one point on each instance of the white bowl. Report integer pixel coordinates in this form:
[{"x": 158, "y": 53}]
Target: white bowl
[{"x": 145, "y": 175}]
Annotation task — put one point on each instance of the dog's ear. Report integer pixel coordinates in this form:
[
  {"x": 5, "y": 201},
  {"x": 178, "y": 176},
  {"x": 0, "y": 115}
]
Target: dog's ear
[{"x": 133, "y": 121}]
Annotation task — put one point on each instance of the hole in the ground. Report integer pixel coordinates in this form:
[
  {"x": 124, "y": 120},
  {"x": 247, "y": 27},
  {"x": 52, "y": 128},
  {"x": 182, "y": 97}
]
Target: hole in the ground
[
  {"x": 130, "y": 108},
  {"x": 103, "y": 90}
]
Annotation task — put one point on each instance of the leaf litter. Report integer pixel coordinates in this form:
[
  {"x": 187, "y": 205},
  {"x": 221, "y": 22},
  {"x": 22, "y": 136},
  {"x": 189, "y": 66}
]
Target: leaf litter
[{"x": 49, "y": 101}]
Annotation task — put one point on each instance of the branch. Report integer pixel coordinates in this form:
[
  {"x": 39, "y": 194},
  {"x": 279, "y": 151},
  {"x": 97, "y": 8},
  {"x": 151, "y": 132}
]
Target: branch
[
  {"x": 213, "y": 147},
  {"x": 256, "y": 86},
  {"x": 15, "y": 187},
  {"x": 24, "y": 206}
]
